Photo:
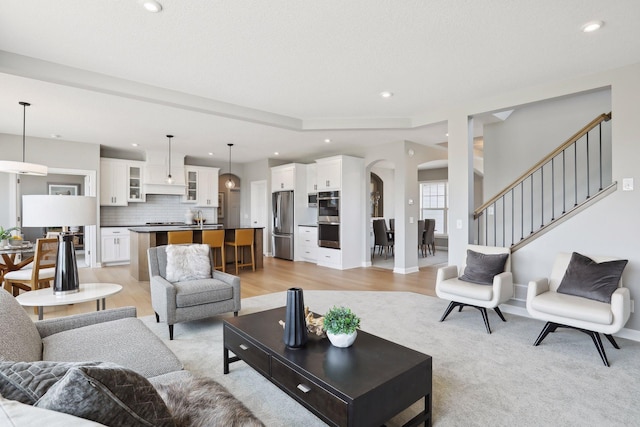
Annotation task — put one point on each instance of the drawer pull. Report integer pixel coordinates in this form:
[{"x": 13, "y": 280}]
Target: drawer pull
[
  {"x": 304, "y": 388},
  {"x": 243, "y": 347}
]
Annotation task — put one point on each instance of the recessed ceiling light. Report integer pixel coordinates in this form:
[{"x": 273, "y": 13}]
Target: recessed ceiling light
[
  {"x": 55, "y": 136},
  {"x": 386, "y": 94},
  {"x": 592, "y": 26},
  {"x": 152, "y": 6},
  {"x": 446, "y": 134},
  {"x": 327, "y": 141},
  {"x": 211, "y": 154},
  {"x": 134, "y": 144},
  {"x": 276, "y": 154}
]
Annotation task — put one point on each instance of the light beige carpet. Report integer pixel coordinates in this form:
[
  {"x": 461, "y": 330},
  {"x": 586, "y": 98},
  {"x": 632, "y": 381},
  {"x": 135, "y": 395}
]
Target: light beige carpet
[{"x": 478, "y": 379}]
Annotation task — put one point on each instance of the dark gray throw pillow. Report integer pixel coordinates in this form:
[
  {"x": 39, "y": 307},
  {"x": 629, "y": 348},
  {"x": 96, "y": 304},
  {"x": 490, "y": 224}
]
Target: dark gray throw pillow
[
  {"x": 589, "y": 279},
  {"x": 481, "y": 268},
  {"x": 27, "y": 382},
  {"x": 109, "y": 395}
]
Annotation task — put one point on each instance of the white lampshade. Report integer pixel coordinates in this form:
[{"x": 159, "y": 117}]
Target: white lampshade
[
  {"x": 58, "y": 211},
  {"x": 23, "y": 168}
]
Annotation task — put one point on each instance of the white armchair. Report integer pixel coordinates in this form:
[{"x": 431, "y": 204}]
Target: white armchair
[
  {"x": 586, "y": 315},
  {"x": 497, "y": 289}
]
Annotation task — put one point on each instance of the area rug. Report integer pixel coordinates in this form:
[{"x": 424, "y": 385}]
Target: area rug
[{"x": 478, "y": 379}]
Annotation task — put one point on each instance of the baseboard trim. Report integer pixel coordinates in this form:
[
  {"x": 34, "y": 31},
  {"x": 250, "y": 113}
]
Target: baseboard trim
[{"x": 406, "y": 270}]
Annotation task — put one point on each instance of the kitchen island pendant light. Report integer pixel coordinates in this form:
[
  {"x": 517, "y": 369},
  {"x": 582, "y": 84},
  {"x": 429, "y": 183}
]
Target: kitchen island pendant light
[
  {"x": 230, "y": 183},
  {"x": 169, "y": 179},
  {"x": 23, "y": 168}
]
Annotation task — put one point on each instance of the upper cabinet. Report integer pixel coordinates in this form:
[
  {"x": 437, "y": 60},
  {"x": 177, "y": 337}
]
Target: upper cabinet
[
  {"x": 202, "y": 186},
  {"x": 113, "y": 182},
  {"x": 283, "y": 177},
  {"x": 134, "y": 175},
  {"x": 329, "y": 173},
  {"x": 120, "y": 182},
  {"x": 312, "y": 186}
]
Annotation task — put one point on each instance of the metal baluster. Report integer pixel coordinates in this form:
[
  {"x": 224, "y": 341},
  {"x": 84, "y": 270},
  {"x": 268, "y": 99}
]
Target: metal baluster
[
  {"x": 512, "y": 216},
  {"x": 521, "y": 210},
  {"x": 495, "y": 228},
  {"x": 503, "y": 222},
  {"x": 542, "y": 196},
  {"x": 553, "y": 189},
  {"x": 575, "y": 171},
  {"x": 564, "y": 184},
  {"x": 588, "y": 189},
  {"x": 531, "y": 177},
  {"x": 486, "y": 227},
  {"x": 600, "y": 157}
]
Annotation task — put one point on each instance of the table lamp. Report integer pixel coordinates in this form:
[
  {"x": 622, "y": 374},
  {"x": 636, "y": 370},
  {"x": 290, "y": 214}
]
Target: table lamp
[{"x": 61, "y": 211}]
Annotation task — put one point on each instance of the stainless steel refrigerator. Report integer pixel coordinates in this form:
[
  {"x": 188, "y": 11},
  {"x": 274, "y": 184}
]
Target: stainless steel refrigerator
[{"x": 282, "y": 205}]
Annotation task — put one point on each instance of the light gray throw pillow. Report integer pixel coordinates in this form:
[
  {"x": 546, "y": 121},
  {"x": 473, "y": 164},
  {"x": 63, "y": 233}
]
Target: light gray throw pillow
[{"x": 188, "y": 262}]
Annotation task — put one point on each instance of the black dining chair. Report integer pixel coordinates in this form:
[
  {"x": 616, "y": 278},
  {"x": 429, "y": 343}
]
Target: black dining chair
[{"x": 381, "y": 237}]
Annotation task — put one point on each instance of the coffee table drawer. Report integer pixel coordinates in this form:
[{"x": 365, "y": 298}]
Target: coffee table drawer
[
  {"x": 246, "y": 351},
  {"x": 310, "y": 393}
]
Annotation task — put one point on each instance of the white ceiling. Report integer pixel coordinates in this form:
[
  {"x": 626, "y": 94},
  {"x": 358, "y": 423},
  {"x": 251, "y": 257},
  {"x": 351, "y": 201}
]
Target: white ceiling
[{"x": 284, "y": 75}]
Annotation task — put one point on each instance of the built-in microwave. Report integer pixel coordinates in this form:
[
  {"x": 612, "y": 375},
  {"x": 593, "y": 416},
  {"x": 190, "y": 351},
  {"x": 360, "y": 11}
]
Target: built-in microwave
[{"x": 312, "y": 201}]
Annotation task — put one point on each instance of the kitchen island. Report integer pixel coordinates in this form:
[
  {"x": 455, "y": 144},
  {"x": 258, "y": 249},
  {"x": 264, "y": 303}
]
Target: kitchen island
[{"x": 143, "y": 238}]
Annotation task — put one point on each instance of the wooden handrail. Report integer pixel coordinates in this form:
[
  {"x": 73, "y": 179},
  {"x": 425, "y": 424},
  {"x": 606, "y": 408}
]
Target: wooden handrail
[{"x": 582, "y": 132}]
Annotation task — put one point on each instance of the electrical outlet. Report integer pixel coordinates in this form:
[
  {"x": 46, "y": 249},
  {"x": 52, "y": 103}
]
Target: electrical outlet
[{"x": 633, "y": 304}]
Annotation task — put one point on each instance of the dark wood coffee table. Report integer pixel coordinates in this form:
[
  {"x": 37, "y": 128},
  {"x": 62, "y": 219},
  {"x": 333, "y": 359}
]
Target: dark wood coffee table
[{"x": 363, "y": 385}]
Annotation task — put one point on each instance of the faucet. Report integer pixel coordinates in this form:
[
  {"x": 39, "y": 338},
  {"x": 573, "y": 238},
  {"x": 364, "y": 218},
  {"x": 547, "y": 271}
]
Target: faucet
[{"x": 199, "y": 218}]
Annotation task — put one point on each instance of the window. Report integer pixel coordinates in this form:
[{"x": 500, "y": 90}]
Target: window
[{"x": 434, "y": 204}]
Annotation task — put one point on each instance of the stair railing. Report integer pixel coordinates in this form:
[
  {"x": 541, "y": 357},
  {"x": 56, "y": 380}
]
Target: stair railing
[{"x": 536, "y": 195}]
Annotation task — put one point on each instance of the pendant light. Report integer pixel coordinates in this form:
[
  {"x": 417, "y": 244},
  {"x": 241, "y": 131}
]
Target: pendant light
[
  {"x": 230, "y": 184},
  {"x": 169, "y": 179},
  {"x": 23, "y": 168}
]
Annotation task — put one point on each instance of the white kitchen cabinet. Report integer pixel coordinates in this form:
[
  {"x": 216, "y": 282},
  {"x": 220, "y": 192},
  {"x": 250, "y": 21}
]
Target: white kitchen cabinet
[
  {"x": 346, "y": 175},
  {"x": 134, "y": 177},
  {"x": 329, "y": 173},
  {"x": 115, "y": 245},
  {"x": 283, "y": 178},
  {"x": 113, "y": 182},
  {"x": 308, "y": 241},
  {"x": 202, "y": 186},
  {"x": 312, "y": 181}
]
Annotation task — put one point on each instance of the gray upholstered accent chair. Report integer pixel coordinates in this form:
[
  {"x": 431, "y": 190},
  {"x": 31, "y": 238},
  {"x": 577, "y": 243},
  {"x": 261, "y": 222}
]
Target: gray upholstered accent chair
[
  {"x": 589, "y": 312},
  {"x": 187, "y": 300},
  {"x": 497, "y": 290}
]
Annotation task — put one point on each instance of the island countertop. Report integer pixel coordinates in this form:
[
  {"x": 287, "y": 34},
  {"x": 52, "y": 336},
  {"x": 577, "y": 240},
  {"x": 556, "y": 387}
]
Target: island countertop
[{"x": 145, "y": 237}]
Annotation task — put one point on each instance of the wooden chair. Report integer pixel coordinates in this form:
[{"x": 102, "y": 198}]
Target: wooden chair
[
  {"x": 180, "y": 237},
  {"x": 215, "y": 239},
  {"x": 41, "y": 273},
  {"x": 243, "y": 238}
]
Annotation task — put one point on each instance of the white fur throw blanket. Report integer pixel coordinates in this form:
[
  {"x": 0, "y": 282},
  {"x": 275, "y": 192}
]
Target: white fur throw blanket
[{"x": 188, "y": 262}]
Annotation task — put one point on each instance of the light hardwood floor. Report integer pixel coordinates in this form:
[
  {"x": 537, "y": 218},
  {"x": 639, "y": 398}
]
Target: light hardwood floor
[{"x": 277, "y": 275}]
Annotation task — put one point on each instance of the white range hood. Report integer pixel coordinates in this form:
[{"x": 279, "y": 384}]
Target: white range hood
[{"x": 155, "y": 174}]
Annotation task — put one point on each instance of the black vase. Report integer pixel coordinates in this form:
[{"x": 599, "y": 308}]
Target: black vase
[{"x": 295, "y": 328}]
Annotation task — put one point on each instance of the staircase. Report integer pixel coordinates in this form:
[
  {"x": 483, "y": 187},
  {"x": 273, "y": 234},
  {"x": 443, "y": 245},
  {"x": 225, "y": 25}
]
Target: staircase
[{"x": 566, "y": 181}]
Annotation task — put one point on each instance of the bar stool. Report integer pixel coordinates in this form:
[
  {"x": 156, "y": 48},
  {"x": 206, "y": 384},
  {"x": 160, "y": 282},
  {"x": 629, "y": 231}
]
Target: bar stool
[
  {"x": 215, "y": 239},
  {"x": 178, "y": 237},
  {"x": 243, "y": 237}
]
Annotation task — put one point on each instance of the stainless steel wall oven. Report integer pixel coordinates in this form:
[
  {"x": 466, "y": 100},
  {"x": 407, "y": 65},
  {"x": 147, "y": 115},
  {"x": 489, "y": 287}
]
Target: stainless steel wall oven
[
  {"x": 329, "y": 219},
  {"x": 329, "y": 206}
]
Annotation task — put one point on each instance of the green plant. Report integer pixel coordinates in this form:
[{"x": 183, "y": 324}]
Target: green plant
[
  {"x": 6, "y": 234},
  {"x": 341, "y": 320}
]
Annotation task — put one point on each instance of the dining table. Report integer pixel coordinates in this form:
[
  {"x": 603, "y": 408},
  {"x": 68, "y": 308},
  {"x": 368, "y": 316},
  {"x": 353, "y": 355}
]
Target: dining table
[{"x": 10, "y": 259}]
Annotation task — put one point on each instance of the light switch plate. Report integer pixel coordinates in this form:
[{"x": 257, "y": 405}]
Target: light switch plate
[
  {"x": 459, "y": 224},
  {"x": 627, "y": 184}
]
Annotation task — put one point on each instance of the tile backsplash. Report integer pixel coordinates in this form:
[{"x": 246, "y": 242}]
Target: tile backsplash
[{"x": 157, "y": 208}]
